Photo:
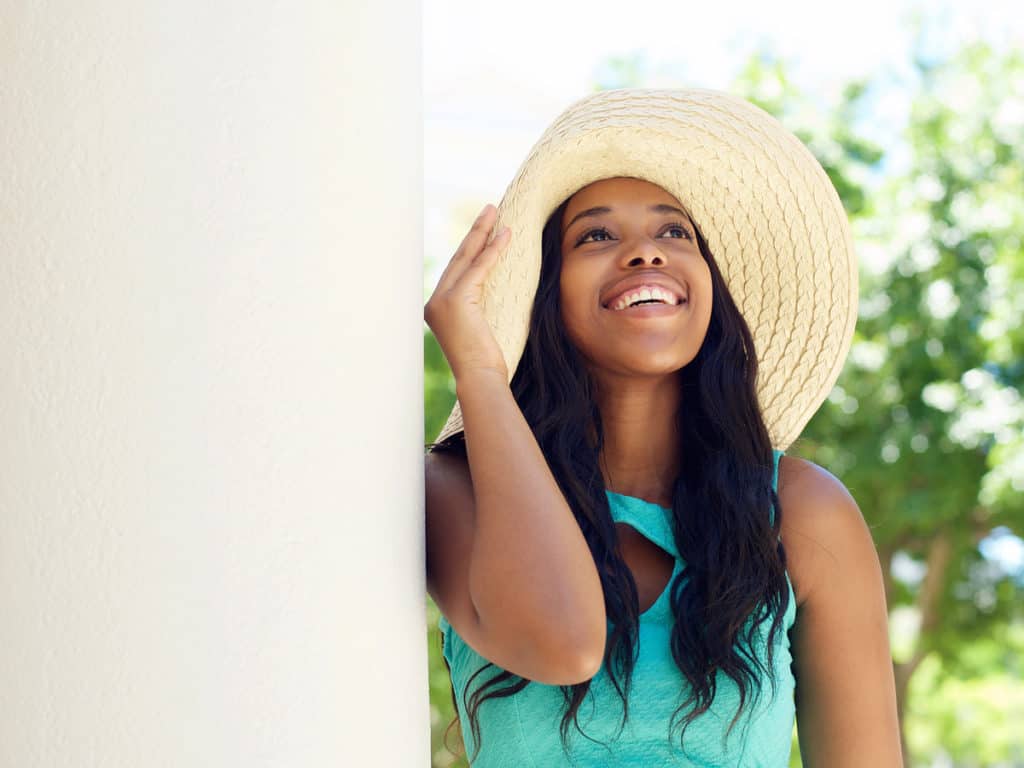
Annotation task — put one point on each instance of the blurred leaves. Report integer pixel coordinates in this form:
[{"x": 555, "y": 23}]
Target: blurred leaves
[
  {"x": 925, "y": 423},
  {"x": 438, "y": 387}
]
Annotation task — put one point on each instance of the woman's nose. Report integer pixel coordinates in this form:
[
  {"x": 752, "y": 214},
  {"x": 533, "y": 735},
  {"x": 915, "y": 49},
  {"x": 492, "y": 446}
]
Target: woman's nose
[{"x": 642, "y": 250}]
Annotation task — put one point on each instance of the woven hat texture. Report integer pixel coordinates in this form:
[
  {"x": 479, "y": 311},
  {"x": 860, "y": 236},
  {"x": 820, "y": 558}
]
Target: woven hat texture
[{"x": 769, "y": 213}]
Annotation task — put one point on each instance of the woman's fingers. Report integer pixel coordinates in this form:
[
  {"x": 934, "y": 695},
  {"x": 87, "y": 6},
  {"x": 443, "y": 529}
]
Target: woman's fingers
[
  {"x": 454, "y": 311},
  {"x": 477, "y": 234},
  {"x": 484, "y": 261},
  {"x": 470, "y": 247}
]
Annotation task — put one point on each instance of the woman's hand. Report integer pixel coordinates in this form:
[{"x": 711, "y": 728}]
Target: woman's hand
[{"x": 453, "y": 311}]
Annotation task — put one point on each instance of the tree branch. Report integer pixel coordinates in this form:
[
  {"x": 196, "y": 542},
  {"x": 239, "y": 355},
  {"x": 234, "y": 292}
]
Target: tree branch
[{"x": 940, "y": 552}]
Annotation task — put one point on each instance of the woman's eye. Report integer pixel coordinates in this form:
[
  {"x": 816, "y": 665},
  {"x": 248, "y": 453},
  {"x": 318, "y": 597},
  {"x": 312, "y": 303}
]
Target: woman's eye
[
  {"x": 679, "y": 228},
  {"x": 592, "y": 232}
]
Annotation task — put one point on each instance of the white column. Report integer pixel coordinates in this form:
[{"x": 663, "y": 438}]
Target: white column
[{"x": 211, "y": 426}]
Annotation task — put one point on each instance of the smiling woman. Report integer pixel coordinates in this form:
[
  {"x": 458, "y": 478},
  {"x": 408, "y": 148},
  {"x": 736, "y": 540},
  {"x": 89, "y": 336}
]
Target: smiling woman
[
  {"x": 607, "y": 504},
  {"x": 609, "y": 254}
]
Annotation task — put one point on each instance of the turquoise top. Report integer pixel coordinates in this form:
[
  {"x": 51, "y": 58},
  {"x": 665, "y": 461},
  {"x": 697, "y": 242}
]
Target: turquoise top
[{"x": 522, "y": 731}]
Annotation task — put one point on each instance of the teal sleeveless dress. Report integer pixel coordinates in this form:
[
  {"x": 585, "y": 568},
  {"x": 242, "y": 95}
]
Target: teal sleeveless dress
[{"x": 522, "y": 730}]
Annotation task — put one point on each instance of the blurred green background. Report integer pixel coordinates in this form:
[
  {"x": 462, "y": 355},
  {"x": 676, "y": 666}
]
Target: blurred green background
[{"x": 926, "y": 423}]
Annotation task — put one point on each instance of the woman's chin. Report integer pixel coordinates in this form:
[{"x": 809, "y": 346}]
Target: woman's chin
[{"x": 645, "y": 367}]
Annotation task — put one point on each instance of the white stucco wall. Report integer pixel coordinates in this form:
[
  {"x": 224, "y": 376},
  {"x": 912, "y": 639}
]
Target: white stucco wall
[{"x": 211, "y": 385}]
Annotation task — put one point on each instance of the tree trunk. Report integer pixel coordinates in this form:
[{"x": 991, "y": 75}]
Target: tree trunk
[{"x": 940, "y": 552}]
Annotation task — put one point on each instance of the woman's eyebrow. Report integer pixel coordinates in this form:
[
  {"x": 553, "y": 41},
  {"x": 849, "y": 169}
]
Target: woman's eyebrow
[{"x": 601, "y": 209}]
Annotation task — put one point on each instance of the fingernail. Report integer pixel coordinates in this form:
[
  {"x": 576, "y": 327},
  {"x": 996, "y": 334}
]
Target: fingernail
[{"x": 483, "y": 211}]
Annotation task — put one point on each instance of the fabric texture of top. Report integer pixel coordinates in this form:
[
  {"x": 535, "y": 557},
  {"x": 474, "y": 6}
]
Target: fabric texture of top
[{"x": 522, "y": 730}]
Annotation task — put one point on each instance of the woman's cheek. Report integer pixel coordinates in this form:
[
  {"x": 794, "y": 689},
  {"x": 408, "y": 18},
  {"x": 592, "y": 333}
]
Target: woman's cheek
[{"x": 575, "y": 323}]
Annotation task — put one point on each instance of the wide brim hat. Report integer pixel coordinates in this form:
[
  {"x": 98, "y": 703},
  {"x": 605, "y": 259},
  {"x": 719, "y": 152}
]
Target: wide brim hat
[{"x": 771, "y": 217}]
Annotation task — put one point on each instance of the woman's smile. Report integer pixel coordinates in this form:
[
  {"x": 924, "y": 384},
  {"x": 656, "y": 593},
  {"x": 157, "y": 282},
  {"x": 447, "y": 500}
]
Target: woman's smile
[
  {"x": 630, "y": 248},
  {"x": 653, "y": 310}
]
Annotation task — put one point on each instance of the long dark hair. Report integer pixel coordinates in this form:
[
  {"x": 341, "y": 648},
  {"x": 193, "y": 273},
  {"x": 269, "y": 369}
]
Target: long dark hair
[{"x": 720, "y": 501}]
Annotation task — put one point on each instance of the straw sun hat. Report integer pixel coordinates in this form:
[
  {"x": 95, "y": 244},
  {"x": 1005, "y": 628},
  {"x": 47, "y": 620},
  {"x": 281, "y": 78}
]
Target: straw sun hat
[{"x": 770, "y": 215}]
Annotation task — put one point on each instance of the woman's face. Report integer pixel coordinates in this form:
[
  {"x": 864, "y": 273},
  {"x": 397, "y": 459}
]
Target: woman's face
[{"x": 619, "y": 234}]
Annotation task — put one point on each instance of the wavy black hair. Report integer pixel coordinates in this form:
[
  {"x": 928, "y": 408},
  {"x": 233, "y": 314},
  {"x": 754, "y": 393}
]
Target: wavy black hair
[{"x": 720, "y": 500}]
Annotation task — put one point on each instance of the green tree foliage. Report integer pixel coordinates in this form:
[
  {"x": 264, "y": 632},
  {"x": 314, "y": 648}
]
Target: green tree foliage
[
  {"x": 925, "y": 424},
  {"x": 438, "y": 387}
]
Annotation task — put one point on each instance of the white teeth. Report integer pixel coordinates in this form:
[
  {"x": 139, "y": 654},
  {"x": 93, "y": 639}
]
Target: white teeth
[{"x": 644, "y": 294}]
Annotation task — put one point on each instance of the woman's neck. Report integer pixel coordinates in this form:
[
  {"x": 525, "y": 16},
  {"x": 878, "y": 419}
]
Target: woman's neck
[{"x": 640, "y": 456}]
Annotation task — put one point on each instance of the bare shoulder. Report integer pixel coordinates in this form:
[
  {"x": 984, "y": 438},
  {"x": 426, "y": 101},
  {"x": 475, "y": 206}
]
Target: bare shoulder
[
  {"x": 445, "y": 466},
  {"x": 845, "y": 690},
  {"x": 449, "y": 528},
  {"x": 819, "y": 517}
]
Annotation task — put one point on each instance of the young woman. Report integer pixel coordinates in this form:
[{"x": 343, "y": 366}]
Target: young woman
[{"x": 629, "y": 569}]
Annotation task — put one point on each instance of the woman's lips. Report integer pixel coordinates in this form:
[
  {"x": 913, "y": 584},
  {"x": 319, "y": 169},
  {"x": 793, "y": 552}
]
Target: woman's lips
[{"x": 649, "y": 310}]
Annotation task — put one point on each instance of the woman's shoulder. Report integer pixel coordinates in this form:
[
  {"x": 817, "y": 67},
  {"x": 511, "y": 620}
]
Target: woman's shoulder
[{"x": 818, "y": 512}]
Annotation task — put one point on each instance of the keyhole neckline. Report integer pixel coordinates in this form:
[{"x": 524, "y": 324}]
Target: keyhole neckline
[
  {"x": 637, "y": 498},
  {"x": 640, "y": 515}
]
